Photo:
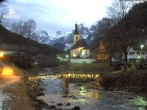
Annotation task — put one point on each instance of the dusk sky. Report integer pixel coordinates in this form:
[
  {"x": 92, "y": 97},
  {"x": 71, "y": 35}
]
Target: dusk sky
[{"x": 60, "y": 15}]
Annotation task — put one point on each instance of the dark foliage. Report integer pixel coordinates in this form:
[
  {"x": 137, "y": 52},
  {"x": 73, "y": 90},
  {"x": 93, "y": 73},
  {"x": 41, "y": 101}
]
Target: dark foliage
[
  {"x": 133, "y": 81},
  {"x": 58, "y": 45},
  {"x": 2, "y": 1},
  {"x": 31, "y": 47}
]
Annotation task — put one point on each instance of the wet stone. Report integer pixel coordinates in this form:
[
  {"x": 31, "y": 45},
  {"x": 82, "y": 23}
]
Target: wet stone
[
  {"x": 72, "y": 97},
  {"x": 67, "y": 104},
  {"x": 76, "y": 108},
  {"x": 58, "y": 109},
  {"x": 59, "y": 104},
  {"x": 50, "y": 107},
  {"x": 65, "y": 96}
]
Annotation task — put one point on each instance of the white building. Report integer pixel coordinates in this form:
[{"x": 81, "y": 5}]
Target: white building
[
  {"x": 136, "y": 53},
  {"x": 79, "y": 53}
]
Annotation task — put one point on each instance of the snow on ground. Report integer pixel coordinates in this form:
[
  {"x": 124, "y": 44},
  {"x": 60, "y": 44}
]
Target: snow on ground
[{"x": 2, "y": 99}]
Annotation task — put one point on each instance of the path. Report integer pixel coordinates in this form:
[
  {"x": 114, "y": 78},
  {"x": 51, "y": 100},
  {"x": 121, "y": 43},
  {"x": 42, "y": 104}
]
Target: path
[{"x": 13, "y": 94}]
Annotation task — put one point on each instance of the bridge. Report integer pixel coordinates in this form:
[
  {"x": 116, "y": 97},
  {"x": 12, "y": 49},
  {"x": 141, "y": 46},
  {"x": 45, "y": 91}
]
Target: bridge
[
  {"x": 65, "y": 75},
  {"x": 70, "y": 73}
]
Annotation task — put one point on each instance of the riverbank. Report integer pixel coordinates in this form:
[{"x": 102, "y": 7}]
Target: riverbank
[
  {"x": 14, "y": 91},
  {"x": 131, "y": 81},
  {"x": 34, "y": 90}
]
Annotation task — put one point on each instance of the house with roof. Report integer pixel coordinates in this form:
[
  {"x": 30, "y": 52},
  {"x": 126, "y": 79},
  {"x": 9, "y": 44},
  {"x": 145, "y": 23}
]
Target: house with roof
[
  {"x": 136, "y": 53},
  {"x": 79, "y": 53}
]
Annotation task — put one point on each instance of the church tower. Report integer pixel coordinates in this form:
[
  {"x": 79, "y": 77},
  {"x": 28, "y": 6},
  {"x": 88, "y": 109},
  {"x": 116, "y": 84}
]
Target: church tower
[{"x": 76, "y": 35}]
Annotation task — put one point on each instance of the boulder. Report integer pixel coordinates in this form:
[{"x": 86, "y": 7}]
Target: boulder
[
  {"x": 76, "y": 108},
  {"x": 72, "y": 97},
  {"x": 50, "y": 107},
  {"x": 67, "y": 104},
  {"x": 59, "y": 104}
]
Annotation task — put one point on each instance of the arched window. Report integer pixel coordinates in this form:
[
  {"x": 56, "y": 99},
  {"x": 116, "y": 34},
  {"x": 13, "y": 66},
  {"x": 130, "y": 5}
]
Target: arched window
[{"x": 76, "y": 37}]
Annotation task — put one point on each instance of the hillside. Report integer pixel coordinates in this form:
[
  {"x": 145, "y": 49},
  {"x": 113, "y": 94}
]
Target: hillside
[
  {"x": 20, "y": 43},
  {"x": 137, "y": 19}
]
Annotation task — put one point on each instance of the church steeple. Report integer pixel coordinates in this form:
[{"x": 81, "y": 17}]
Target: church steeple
[
  {"x": 76, "y": 34},
  {"x": 76, "y": 29}
]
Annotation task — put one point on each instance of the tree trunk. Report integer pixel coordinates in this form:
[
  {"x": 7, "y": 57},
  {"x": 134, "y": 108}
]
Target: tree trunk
[
  {"x": 110, "y": 59},
  {"x": 126, "y": 60}
]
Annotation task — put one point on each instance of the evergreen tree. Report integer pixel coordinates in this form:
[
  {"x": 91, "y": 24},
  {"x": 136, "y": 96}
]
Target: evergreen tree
[{"x": 101, "y": 53}]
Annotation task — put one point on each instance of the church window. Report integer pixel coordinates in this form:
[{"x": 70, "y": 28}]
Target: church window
[{"x": 76, "y": 37}]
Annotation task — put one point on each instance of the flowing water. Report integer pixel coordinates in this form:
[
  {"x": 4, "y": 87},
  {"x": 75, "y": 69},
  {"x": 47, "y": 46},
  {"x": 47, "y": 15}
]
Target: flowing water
[{"x": 90, "y": 99}]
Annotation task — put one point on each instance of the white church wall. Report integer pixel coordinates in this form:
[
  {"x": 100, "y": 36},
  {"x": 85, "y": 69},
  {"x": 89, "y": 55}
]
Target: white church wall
[
  {"x": 82, "y": 60},
  {"x": 85, "y": 53},
  {"x": 76, "y": 52}
]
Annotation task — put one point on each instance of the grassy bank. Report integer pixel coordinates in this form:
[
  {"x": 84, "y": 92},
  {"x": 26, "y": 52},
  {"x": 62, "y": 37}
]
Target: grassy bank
[{"x": 131, "y": 81}]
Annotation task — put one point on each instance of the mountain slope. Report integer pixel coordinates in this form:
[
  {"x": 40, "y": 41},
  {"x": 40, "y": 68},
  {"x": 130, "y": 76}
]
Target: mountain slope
[
  {"x": 30, "y": 49},
  {"x": 67, "y": 39}
]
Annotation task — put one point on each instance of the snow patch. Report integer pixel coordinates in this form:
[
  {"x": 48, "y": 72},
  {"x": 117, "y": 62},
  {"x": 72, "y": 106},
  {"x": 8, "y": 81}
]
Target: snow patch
[
  {"x": 3, "y": 97},
  {"x": 68, "y": 46},
  {"x": 55, "y": 36}
]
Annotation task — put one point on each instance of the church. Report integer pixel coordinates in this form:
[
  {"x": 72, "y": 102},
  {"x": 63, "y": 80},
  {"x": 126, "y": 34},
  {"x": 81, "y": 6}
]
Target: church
[{"x": 79, "y": 53}]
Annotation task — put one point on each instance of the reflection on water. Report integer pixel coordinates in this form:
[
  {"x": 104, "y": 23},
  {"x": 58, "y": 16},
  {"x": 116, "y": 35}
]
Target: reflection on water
[{"x": 89, "y": 99}]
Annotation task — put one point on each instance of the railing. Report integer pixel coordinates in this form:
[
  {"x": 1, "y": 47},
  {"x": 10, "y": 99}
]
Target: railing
[
  {"x": 85, "y": 70},
  {"x": 65, "y": 75}
]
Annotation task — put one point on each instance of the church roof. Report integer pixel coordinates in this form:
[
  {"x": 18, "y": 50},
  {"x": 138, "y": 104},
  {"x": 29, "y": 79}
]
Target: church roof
[{"x": 80, "y": 43}]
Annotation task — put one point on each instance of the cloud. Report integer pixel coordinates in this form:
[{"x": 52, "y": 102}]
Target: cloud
[{"x": 54, "y": 15}]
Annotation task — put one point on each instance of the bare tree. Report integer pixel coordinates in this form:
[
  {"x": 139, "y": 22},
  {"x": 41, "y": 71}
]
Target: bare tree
[
  {"x": 17, "y": 27},
  {"x": 25, "y": 29},
  {"x": 29, "y": 28},
  {"x": 118, "y": 9},
  {"x": 3, "y": 11},
  {"x": 121, "y": 33}
]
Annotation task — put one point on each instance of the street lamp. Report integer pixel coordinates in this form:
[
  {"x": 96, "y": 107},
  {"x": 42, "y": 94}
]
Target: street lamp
[
  {"x": 66, "y": 56},
  {"x": 141, "y": 46}
]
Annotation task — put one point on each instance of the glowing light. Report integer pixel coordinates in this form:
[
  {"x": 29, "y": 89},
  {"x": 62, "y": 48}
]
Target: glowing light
[
  {"x": 1, "y": 54},
  {"x": 83, "y": 53},
  {"x": 82, "y": 91},
  {"x": 7, "y": 71},
  {"x": 68, "y": 75},
  {"x": 82, "y": 100},
  {"x": 139, "y": 57},
  {"x": 74, "y": 55},
  {"x": 82, "y": 88},
  {"x": 66, "y": 56},
  {"x": 141, "y": 46}
]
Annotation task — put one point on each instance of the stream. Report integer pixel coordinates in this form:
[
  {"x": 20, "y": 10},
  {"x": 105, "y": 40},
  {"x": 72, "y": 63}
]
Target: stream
[{"x": 90, "y": 99}]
